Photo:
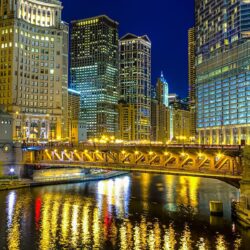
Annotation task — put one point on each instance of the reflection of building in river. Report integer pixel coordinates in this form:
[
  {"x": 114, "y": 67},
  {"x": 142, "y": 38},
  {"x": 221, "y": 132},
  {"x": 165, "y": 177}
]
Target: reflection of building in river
[{"x": 65, "y": 219}]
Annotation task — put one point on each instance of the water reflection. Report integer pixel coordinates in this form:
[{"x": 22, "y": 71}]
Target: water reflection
[{"x": 139, "y": 212}]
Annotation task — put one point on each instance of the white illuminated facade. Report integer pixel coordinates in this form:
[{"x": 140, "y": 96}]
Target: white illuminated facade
[{"x": 34, "y": 68}]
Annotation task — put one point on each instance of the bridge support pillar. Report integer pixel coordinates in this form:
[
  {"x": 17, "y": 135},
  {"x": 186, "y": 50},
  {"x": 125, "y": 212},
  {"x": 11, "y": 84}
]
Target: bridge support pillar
[{"x": 243, "y": 206}]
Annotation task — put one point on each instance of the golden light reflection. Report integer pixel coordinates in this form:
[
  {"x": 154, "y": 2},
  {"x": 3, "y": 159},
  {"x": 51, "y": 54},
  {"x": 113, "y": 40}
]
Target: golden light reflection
[
  {"x": 169, "y": 187},
  {"x": 86, "y": 225},
  {"x": 157, "y": 233},
  {"x": 96, "y": 229},
  {"x": 137, "y": 238},
  {"x": 169, "y": 238},
  {"x": 65, "y": 224},
  {"x": 220, "y": 242},
  {"x": 143, "y": 226},
  {"x": 14, "y": 228},
  {"x": 145, "y": 184},
  {"x": 123, "y": 236},
  {"x": 72, "y": 220},
  {"x": 189, "y": 191},
  {"x": 45, "y": 239},
  {"x": 185, "y": 241},
  {"x": 54, "y": 218},
  {"x": 201, "y": 244},
  {"x": 74, "y": 225}
]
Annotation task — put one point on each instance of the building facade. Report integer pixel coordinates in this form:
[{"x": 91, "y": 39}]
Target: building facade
[
  {"x": 135, "y": 81},
  {"x": 181, "y": 125},
  {"x": 191, "y": 79},
  {"x": 6, "y": 135},
  {"x": 159, "y": 111},
  {"x": 34, "y": 68},
  {"x": 76, "y": 126},
  {"x": 94, "y": 73},
  {"x": 223, "y": 71},
  {"x": 127, "y": 120}
]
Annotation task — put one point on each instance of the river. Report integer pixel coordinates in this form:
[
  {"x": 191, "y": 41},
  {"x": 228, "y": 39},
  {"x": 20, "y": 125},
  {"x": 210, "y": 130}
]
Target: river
[{"x": 137, "y": 211}]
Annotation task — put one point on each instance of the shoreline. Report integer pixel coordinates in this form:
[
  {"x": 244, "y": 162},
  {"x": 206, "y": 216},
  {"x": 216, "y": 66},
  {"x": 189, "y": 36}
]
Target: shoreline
[{"x": 18, "y": 184}]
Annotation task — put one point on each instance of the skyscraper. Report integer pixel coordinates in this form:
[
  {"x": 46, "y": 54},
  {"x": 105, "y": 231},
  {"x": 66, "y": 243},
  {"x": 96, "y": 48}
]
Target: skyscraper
[
  {"x": 223, "y": 71},
  {"x": 159, "y": 112},
  {"x": 191, "y": 79},
  {"x": 135, "y": 80},
  {"x": 34, "y": 68},
  {"x": 94, "y": 73},
  {"x": 162, "y": 90}
]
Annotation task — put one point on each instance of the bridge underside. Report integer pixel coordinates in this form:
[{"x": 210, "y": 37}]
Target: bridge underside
[{"x": 208, "y": 163}]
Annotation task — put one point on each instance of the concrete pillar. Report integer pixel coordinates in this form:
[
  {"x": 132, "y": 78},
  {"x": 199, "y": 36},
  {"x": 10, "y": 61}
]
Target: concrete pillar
[
  {"x": 239, "y": 136},
  {"x": 211, "y": 137},
  {"x": 217, "y": 136},
  {"x": 231, "y": 136}
]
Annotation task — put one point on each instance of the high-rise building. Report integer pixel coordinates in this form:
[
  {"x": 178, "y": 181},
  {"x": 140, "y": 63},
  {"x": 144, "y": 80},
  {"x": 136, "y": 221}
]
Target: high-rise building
[
  {"x": 191, "y": 79},
  {"x": 159, "y": 106},
  {"x": 34, "y": 68},
  {"x": 135, "y": 80},
  {"x": 223, "y": 71},
  {"x": 94, "y": 73},
  {"x": 162, "y": 90}
]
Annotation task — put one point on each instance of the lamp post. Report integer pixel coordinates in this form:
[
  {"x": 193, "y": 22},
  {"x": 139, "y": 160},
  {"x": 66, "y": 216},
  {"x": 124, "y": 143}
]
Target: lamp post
[{"x": 12, "y": 171}]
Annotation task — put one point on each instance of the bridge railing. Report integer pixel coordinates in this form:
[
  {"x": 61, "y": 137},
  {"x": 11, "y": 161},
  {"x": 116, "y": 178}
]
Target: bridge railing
[{"x": 37, "y": 146}]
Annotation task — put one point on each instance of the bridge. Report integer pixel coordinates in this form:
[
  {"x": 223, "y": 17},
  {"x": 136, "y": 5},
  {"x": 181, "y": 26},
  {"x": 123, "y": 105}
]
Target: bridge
[
  {"x": 197, "y": 160},
  {"x": 228, "y": 163}
]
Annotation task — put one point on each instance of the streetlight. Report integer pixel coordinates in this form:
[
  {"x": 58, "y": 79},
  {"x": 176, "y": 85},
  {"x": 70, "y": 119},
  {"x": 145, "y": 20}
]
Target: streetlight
[{"x": 12, "y": 171}]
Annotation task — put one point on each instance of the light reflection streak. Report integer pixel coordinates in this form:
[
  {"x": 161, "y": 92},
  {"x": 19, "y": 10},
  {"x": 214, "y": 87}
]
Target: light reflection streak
[
  {"x": 137, "y": 238},
  {"x": 169, "y": 187},
  {"x": 74, "y": 225},
  {"x": 45, "y": 239},
  {"x": 86, "y": 225},
  {"x": 96, "y": 229},
  {"x": 77, "y": 221},
  {"x": 220, "y": 242},
  {"x": 189, "y": 191},
  {"x": 186, "y": 242},
  {"x": 201, "y": 244},
  {"x": 11, "y": 201},
  {"x": 145, "y": 183},
  {"x": 65, "y": 221},
  {"x": 14, "y": 227},
  {"x": 169, "y": 238}
]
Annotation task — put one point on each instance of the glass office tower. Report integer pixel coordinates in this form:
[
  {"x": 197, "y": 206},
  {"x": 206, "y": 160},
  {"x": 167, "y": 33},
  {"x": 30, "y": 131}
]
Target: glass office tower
[
  {"x": 223, "y": 71},
  {"x": 94, "y": 73}
]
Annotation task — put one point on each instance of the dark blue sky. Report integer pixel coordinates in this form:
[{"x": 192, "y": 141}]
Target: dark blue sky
[{"x": 166, "y": 22}]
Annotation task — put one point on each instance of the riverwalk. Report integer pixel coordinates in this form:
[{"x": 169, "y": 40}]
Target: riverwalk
[{"x": 25, "y": 183}]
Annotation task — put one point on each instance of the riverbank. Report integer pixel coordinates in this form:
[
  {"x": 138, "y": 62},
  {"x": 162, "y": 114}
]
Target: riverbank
[{"x": 24, "y": 183}]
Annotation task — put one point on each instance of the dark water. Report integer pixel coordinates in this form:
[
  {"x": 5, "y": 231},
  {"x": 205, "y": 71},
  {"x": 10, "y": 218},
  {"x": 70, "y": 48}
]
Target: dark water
[{"x": 140, "y": 211}]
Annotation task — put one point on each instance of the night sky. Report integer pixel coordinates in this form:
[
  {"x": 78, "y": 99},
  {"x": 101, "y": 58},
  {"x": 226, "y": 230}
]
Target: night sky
[{"x": 166, "y": 22}]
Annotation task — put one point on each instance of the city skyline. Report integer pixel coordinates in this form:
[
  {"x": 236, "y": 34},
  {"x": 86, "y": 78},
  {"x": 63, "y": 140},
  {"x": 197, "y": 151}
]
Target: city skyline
[{"x": 155, "y": 21}]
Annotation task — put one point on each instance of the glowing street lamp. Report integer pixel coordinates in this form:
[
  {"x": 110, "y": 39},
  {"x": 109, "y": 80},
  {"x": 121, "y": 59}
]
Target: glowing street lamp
[{"x": 12, "y": 171}]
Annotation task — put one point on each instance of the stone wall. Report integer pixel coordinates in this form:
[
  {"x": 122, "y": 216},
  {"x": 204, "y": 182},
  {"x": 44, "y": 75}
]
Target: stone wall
[
  {"x": 11, "y": 157},
  {"x": 245, "y": 183}
]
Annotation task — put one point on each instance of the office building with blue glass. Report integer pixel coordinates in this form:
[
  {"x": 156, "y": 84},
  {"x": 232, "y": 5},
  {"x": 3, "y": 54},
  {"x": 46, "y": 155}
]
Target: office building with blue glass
[
  {"x": 94, "y": 73},
  {"x": 223, "y": 71}
]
